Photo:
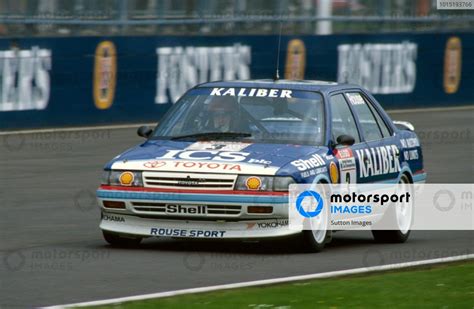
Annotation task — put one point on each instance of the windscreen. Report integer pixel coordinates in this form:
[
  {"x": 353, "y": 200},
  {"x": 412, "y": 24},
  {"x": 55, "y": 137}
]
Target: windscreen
[{"x": 257, "y": 115}]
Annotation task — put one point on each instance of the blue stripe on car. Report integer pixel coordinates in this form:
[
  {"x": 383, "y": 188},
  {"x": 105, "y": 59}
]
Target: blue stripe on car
[{"x": 221, "y": 198}]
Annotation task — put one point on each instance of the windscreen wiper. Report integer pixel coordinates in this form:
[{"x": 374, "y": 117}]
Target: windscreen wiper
[{"x": 213, "y": 135}]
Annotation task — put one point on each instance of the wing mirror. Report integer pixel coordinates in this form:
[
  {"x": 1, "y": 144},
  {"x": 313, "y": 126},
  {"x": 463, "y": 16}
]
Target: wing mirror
[
  {"x": 345, "y": 140},
  {"x": 144, "y": 131},
  {"x": 404, "y": 125}
]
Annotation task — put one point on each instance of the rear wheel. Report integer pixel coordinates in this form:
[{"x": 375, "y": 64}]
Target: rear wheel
[
  {"x": 403, "y": 214},
  {"x": 118, "y": 240}
]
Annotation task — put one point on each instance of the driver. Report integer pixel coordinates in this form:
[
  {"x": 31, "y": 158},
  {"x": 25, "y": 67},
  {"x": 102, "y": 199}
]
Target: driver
[{"x": 223, "y": 115}]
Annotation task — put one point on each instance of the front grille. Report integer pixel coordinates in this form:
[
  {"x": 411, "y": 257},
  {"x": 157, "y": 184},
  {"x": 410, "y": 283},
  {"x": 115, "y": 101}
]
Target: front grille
[
  {"x": 196, "y": 181},
  {"x": 210, "y": 210}
]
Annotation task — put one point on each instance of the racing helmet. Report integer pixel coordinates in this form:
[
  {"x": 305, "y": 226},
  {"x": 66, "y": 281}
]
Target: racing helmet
[
  {"x": 224, "y": 114},
  {"x": 225, "y": 104}
]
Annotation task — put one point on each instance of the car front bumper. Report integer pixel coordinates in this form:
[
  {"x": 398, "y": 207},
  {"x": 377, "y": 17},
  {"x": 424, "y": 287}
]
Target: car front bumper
[{"x": 144, "y": 215}]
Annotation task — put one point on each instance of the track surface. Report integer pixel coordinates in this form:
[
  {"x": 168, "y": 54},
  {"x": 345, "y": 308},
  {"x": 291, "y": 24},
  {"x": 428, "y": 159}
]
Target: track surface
[{"x": 52, "y": 251}]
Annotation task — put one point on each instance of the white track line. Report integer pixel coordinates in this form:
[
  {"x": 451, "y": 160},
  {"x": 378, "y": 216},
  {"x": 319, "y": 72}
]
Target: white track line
[
  {"x": 265, "y": 282},
  {"x": 136, "y": 125}
]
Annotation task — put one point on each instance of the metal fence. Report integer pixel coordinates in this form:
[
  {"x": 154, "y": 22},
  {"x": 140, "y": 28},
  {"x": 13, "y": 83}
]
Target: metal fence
[{"x": 200, "y": 17}]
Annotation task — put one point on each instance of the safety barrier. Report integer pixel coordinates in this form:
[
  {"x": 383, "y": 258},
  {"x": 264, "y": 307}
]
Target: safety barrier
[{"x": 53, "y": 82}]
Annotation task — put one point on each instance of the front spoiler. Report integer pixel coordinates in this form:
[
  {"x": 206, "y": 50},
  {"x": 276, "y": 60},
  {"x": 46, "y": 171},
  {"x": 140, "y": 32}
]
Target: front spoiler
[{"x": 146, "y": 227}]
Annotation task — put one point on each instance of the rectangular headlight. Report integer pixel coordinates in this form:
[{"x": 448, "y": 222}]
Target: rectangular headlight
[
  {"x": 105, "y": 177},
  {"x": 124, "y": 178},
  {"x": 254, "y": 183},
  {"x": 282, "y": 183},
  {"x": 263, "y": 183}
]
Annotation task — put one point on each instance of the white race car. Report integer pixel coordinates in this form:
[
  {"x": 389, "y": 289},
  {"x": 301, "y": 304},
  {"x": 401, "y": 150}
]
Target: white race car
[{"x": 220, "y": 162}]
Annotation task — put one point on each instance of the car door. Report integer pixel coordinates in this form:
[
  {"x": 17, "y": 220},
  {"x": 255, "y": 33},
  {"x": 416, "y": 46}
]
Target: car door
[
  {"x": 344, "y": 123},
  {"x": 379, "y": 160}
]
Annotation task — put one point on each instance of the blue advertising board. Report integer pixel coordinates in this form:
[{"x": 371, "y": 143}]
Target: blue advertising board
[{"x": 55, "y": 82}]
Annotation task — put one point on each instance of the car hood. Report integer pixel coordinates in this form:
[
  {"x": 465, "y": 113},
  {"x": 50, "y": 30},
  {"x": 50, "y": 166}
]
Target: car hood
[{"x": 213, "y": 157}]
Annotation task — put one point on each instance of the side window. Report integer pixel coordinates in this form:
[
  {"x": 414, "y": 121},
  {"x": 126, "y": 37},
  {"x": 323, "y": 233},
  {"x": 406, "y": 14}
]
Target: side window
[
  {"x": 382, "y": 125},
  {"x": 368, "y": 124},
  {"x": 342, "y": 119}
]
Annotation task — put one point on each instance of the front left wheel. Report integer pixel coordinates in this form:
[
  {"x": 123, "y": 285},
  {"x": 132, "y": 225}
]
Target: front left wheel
[{"x": 315, "y": 238}]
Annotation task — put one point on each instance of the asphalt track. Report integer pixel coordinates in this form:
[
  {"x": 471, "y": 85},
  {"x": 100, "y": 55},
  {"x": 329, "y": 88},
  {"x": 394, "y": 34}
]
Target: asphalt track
[{"x": 52, "y": 251}]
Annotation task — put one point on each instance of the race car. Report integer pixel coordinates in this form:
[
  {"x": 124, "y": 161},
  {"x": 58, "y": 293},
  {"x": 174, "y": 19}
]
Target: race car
[{"x": 219, "y": 163}]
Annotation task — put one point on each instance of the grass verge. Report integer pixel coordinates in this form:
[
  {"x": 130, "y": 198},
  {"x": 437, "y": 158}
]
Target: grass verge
[{"x": 436, "y": 286}]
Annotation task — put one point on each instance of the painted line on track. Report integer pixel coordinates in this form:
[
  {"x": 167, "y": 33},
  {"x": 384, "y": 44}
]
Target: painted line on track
[
  {"x": 136, "y": 125},
  {"x": 266, "y": 282}
]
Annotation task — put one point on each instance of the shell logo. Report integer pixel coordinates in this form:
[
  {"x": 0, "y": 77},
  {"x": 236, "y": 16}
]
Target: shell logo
[
  {"x": 126, "y": 178},
  {"x": 105, "y": 74},
  {"x": 333, "y": 172},
  {"x": 253, "y": 183}
]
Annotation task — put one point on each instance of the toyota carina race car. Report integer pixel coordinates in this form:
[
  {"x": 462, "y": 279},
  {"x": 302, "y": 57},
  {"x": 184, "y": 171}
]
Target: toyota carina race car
[{"x": 220, "y": 162}]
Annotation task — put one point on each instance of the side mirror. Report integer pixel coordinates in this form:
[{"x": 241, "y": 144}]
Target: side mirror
[
  {"x": 404, "y": 125},
  {"x": 345, "y": 140},
  {"x": 144, "y": 131}
]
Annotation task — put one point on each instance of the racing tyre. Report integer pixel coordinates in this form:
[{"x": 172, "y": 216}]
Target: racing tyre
[
  {"x": 315, "y": 239},
  {"x": 117, "y": 240},
  {"x": 404, "y": 216}
]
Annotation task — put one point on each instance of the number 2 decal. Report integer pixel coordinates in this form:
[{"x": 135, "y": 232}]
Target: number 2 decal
[{"x": 347, "y": 165}]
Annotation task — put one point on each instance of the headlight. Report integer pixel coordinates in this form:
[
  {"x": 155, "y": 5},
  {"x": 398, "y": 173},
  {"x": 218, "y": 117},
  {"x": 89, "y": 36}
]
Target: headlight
[
  {"x": 254, "y": 183},
  {"x": 263, "y": 183},
  {"x": 282, "y": 183},
  {"x": 105, "y": 177},
  {"x": 122, "y": 178}
]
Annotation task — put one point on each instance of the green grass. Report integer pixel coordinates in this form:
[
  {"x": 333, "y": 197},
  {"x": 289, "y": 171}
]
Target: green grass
[{"x": 441, "y": 286}]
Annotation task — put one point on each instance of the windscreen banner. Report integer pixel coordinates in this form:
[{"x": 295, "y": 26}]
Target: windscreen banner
[{"x": 401, "y": 207}]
